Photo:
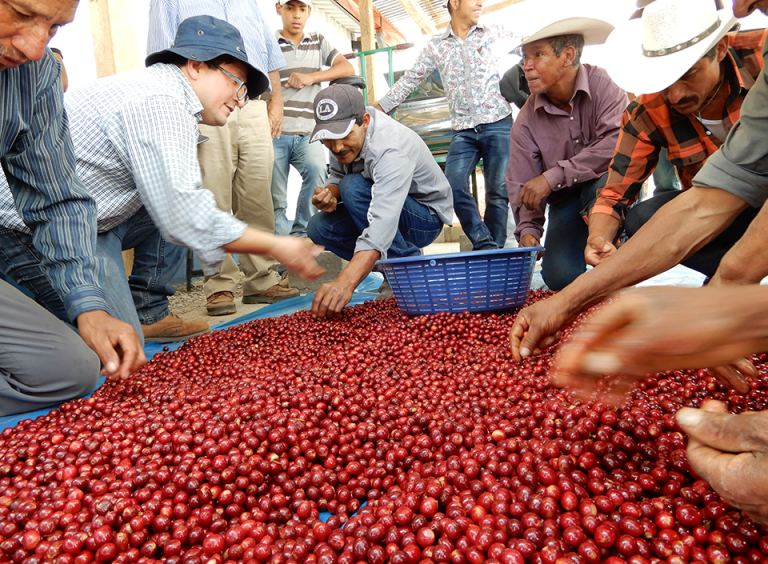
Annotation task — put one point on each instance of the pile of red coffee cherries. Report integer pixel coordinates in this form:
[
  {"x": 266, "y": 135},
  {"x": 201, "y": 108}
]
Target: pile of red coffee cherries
[{"x": 374, "y": 438}]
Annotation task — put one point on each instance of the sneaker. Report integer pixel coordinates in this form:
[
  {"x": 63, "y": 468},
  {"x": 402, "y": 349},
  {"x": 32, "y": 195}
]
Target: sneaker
[
  {"x": 221, "y": 303},
  {"x": 173, "y": 329},
  {"x": 385, "y": 291},
  {"x": 271, "y": 295}
]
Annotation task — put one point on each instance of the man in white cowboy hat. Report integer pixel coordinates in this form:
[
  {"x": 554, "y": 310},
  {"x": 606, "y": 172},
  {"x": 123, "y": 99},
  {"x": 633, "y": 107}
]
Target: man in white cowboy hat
[
  {"x": 561, "y": 143},
  {"x": 731, "y": 180},
  {"x": 691, "y": 98},
  {"x": 467, "y": 56}
]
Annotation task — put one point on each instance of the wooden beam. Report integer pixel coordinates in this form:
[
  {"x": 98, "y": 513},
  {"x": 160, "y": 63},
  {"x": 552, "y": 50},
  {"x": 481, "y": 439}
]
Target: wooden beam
[
  {"x": 418, "y": 16},
  {"x": 488, "y": 10},
  {"x": 114, "y": 48},
  {"x": 382, "y": 24},
  {"x": 368, "y": 43}
]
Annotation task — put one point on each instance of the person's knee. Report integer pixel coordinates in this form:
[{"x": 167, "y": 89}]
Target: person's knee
[
  {"x": 558, "y": 277},
  {"x": 637, "y": 216},
  {"x": 353, "y": 186},
  {"x": 316, "y": 228},
  {"x": 78, "y": 368}
]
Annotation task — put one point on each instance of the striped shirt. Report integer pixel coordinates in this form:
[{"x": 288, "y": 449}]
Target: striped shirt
[
  {"x": 135, "y": 138},
  {"x": 470, "y": 74},
  {"x": 311, "y": 54},
  {"x": 260, "y": 45},
  {"x": 649, "y": 125},
  {"x": 37, "y": 158}
]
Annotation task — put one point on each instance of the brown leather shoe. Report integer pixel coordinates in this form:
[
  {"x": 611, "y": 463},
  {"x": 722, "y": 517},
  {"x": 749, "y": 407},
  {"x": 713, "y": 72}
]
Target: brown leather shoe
[
  {"x": 271, "y": 295},
  {"x": 174, "y": 329},
  {"x": 221, "y": 303}
]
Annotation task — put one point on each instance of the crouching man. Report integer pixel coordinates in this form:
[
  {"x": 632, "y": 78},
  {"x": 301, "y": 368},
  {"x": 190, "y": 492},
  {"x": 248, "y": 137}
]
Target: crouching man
[{"x": 386, "y": 197}]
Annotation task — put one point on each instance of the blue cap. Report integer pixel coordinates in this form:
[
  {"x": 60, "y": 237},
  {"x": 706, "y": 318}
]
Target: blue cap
[{"x": 204, "y": 38}]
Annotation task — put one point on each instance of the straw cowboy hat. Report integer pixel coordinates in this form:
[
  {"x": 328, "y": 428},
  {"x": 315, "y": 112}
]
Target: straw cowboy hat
[
  {"x": 595, "y": 31},
  {"x": 652, "y": 52}
]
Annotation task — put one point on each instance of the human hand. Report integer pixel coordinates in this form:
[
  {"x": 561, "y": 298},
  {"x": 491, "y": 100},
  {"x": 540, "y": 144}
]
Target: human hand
[
  {"x": 298, "y": 255},
  {"x": 529, "y": 240},
  {"x": 299, "y": 80},
  {"x": 654, "y": 329},
  {"x": 537, "y": 327},
  {"x": 324, "y": 200},
  {"x": 330, "y": 299},
  {"x": 597, "y": 250},
  {"x": 115, "y": 342},
  {"x": 533, "y": 192},
  {"x": 731, "y": 453},
  {"x": 275, "y": 115}
]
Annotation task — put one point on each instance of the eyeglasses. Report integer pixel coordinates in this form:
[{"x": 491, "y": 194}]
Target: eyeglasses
[{"x": 242, "y": 89}]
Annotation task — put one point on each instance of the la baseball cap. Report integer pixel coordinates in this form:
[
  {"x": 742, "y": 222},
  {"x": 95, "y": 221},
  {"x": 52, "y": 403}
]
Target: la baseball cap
[
  {"x": 307, "y": 2},
  {"x": 336, "y": 110},
  {"x": 204, "y": 38}
]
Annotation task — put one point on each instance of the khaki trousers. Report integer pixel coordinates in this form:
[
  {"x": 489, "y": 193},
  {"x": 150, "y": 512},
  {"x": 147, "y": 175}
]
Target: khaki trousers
[{"x": 236, "y": 163}]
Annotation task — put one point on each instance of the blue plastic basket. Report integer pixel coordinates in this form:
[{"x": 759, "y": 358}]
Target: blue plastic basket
[{"x": 473, "y": 281}]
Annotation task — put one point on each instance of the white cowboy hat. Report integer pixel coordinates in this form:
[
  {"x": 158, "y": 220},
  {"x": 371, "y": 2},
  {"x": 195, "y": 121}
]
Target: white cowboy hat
[
  {"x": 594, "y": 30},
  {"x": 652, "y": 52}
]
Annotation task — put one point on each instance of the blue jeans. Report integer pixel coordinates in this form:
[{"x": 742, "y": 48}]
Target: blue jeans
[
  {"x": 339, "y": 230},
  {"x": 139, "y": 300},
  {"x": 309, "y": 160},
  {"x": 567, "y": 234},
  {"x": 490, "y": 142}
]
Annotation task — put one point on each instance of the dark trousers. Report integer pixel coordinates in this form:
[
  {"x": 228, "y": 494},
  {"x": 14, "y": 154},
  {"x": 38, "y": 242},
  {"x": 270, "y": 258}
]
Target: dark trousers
[{"x": 708, "y": 258}]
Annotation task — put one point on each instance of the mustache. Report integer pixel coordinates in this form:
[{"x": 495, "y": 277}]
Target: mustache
[
  {"x": 341, "y": 153},
  {"x": 687, "y": 100}
]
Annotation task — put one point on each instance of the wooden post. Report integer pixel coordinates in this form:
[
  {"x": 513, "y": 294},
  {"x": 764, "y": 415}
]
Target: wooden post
[
  {"x": 114, "y": 46},
  {"x": 368, "y": 43},
  {"x": 418, "y": 16}
]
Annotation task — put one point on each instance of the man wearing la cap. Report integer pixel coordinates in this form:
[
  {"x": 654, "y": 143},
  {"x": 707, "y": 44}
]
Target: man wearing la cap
[
  {"x": 467, "y": 56},
  {"x": 237, "y": 159},
  {"x": 730, "y": 181},
  {"x": 689, "y": 114},
  {"x": 561, "y": 143},
  {"x": 386, "y": 197},
  {"x": 135, "y": 138}
]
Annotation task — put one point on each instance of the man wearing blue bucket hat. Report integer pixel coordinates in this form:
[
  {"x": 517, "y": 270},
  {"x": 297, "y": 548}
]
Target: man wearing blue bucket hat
[
  {"x": 385, "y": 197},
  {"x": 135, "y": 138}
]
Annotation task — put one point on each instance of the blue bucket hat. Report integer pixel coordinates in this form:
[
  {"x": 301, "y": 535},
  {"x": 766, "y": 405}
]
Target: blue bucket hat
[{"x": 203, "y": 38}]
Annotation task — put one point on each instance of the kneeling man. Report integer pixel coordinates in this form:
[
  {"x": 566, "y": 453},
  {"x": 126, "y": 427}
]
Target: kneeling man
[{"x": 386, "y": 197}]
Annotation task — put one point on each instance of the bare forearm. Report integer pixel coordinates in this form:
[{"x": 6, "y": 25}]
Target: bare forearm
[
  {"x": 747, "y": 261},
  {"x": 276, "y": 96},
  {"x": 603, "y": 225},
  {"x": 253, "y": 241},
  {"x": 358, "y": 268},
  {"x": 675, "y": 232},
  {"x": 336, "y": 71}
]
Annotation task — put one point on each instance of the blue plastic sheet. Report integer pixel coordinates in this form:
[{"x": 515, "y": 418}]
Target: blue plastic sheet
[{"x": 365, "y": 291}]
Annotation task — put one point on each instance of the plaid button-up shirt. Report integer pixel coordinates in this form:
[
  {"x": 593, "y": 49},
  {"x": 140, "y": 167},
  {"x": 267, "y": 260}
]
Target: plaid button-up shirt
[{"x": 649, "y": 125}]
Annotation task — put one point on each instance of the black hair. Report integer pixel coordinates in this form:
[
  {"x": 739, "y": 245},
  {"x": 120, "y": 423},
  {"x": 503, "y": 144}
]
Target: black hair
[{"x": 575, "y": 40}]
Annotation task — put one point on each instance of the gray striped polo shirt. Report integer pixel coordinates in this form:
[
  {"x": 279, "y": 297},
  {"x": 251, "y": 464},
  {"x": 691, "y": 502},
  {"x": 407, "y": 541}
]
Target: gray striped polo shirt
[{"x": 311, "y": 55}]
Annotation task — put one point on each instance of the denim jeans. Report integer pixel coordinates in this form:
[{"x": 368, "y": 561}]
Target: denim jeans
[
  {"x": 139, "y": 300},
  {"x": 567, "y": 234},
  {"x": 707, "y": 259},
  {"x": 489, "y": 142},
  {"x": 339, "y": 230},
  {"x": 309, "y": 160}
]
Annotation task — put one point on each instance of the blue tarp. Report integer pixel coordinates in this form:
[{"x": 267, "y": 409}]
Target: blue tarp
[{"x": 365, "y": 291}]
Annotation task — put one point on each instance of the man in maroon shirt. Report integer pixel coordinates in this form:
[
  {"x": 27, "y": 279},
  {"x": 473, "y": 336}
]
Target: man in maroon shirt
[{"x": 561, "y": 143}]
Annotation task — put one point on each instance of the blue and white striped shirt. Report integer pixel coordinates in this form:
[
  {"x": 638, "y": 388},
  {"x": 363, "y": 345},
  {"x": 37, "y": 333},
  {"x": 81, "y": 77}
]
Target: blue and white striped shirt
[
  {"x": 260, "y": 44},
  {"x": 38, "y": 160}
]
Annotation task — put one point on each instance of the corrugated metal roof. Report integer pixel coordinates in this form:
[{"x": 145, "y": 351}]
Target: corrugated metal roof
[{"x": 339, "y": 14}]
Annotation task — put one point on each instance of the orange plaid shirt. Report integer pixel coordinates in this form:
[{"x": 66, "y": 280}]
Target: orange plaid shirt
[{"x": 648, "y": 126}]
